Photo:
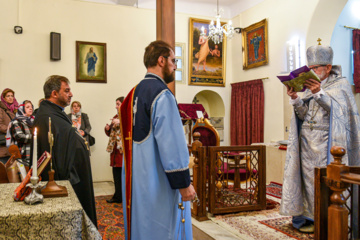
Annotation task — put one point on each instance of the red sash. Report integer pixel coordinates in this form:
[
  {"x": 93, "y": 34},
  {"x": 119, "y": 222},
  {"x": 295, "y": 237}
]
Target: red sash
[{"x": 126, "y": 125}]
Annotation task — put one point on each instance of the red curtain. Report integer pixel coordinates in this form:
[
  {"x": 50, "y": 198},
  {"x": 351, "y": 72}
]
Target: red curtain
[
  {"x": 356, "y": 48},
  {"x": 247, "y": 113}
]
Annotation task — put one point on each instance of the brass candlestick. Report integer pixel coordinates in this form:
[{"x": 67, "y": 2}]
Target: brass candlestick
[
  {"x": 52, "y": 189},
  {"x": 51, "y": 141},
  {"x": 34, "y": 196}
]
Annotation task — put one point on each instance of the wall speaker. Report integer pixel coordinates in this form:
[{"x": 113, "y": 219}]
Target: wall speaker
[{"x": 55, "y": 46}]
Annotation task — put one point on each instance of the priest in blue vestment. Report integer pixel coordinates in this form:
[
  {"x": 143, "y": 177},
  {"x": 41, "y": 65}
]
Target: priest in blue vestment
[
  {"x": 156, "y": 179},
  {"x": 325, "y": 116}
]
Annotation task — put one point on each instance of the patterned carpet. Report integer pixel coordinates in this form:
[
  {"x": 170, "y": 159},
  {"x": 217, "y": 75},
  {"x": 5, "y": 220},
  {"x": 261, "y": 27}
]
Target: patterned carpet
[
  {"x": 266, "y": 224},
  {"x": 241, "y": 198},
  {"x": 284, "y": 225},
  {"x": 274, "y": 189},
  {"x": 110, "y": 219}
]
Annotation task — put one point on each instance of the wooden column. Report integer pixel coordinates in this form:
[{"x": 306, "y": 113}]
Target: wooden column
[
  {"x": 196, "y": 173},
  {"x": 337, "y": 212},
  {"x": 199, "y": 179},
  {"x": 165, "y": 25}
]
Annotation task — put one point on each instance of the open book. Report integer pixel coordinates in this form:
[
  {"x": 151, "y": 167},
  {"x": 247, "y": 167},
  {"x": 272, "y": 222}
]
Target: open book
[{"x": 297, "y": 78}]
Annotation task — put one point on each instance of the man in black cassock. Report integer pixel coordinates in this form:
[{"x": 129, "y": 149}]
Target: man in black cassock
[{"x": 70, "y": 156}]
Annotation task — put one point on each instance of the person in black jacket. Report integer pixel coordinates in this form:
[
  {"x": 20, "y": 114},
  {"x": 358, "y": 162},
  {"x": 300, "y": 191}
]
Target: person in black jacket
[{"x": 70, "y": 157}]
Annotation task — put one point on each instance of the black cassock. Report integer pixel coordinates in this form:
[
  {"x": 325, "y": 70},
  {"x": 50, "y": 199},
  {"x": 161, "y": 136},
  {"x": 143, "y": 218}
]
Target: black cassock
[{"x": 70, "y": 159}]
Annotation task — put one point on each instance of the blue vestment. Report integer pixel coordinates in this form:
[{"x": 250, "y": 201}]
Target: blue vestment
[
  {"x": 160, "y": 161},
  {"x": 91, "y": 59},
  {"x": 256, "y": 42}
]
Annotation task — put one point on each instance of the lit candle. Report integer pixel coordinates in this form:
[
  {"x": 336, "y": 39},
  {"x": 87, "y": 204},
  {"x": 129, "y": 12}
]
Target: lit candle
[
  {"x": 34, "y": 163},
  {"x": 218, "y": 23}
]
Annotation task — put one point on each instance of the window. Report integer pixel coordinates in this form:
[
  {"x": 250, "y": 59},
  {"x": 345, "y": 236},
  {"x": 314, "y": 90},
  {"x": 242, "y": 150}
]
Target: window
[{"x": 180, "y": 56}]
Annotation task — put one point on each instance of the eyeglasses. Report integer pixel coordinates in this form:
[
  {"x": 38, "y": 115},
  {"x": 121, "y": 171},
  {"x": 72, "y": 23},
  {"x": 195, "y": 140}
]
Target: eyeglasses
[
  {"x": 174, "y": 60},
  {"x": 316, "y": 67}
]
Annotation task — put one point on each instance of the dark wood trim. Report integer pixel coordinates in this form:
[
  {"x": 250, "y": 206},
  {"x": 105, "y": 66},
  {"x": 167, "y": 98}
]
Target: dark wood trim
[
  {"x": 322, "y": 198},
  {"x": 165, "y": 26}
]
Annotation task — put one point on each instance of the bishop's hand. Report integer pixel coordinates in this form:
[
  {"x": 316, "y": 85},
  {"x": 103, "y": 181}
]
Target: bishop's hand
[
  {"x": 313, "y": 85},
  {"x": 291, "y": 92}
]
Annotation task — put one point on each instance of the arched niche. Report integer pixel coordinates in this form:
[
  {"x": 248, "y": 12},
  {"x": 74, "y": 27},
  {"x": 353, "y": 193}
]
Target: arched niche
[
  {"x": 212, "y": 102},
  {"x": 323, "y": 21},
  {"x": 341, "y": 40}
]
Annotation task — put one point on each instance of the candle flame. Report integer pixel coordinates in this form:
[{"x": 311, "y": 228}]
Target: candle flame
[{"x": 35, "y": 131}]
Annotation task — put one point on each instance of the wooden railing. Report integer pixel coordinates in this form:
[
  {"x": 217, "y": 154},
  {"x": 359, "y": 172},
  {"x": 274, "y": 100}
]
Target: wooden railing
[
  {"x": 332, "y": 208},
  {"x": 199, "y": 170},
  {"x": 211, "y": 178}
]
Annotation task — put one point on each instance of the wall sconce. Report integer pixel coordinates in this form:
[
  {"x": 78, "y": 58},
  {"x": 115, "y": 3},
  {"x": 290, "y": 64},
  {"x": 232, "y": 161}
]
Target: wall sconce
[
  {"x": 237, "y": 30},
  {"x": 18, "y": 29}
]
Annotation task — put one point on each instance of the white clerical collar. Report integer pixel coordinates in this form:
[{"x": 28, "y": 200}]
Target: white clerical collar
[{"x": 324, "y": 81}]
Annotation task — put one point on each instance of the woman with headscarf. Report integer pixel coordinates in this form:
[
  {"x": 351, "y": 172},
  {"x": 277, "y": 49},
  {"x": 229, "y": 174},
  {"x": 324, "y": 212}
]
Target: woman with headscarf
[
  {"x": 8, "y": 107},
  {"x": 20, "y": 131},
  {"x": 80, "y": 120}
]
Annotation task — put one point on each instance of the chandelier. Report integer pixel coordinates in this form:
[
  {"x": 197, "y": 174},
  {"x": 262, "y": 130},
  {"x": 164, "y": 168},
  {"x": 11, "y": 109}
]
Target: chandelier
[{"x": 217, "y": 32}]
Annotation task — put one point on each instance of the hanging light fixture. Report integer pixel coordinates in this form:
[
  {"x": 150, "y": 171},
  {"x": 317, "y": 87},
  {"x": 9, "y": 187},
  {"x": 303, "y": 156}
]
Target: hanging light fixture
[{"x": 217, "y": 32}]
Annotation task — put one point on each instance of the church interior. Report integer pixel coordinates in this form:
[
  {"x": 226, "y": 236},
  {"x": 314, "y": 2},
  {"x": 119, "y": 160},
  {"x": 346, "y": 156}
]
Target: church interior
[{"x": 127, "y": 27}]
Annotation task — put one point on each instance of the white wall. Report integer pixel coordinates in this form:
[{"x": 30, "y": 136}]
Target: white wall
[
  {"x": 306, "y": 20},
  {"x": 286, "y": 19},
  {"x": 25, "y": 63},
  {"x": 341, "y": 40}
]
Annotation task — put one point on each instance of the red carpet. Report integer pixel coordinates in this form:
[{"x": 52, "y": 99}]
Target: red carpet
[
  {"x": 242, "y": 197},
  {"x": 257, "y": 224},
  {"x": 274, "y": 189},
  {"x": 110, "y": 218},
  {"x": 284, "y": 225}
]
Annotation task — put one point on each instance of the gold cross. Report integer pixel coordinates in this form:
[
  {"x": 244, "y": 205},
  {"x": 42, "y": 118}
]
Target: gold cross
[
  {"x": 319, "y": 40},
  {"x": 129, "y": 137}
]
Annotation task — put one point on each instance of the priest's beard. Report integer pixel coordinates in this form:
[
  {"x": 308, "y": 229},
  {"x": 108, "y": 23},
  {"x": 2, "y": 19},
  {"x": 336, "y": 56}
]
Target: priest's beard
[
  {"x": 322, "y": 75},
  {"x": 63, "y": 102},
  {"x": 168, "y": 76}
]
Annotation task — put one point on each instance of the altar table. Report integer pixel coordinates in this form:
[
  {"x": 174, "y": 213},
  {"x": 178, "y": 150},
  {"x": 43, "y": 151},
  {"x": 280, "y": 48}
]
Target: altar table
[{"x": 55, "y": 218}]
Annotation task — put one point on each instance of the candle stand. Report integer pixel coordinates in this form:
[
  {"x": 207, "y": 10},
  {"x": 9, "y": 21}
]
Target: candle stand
[
  {"x": 52, "y": 189},
  {"x": 34, "y": 197}
]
